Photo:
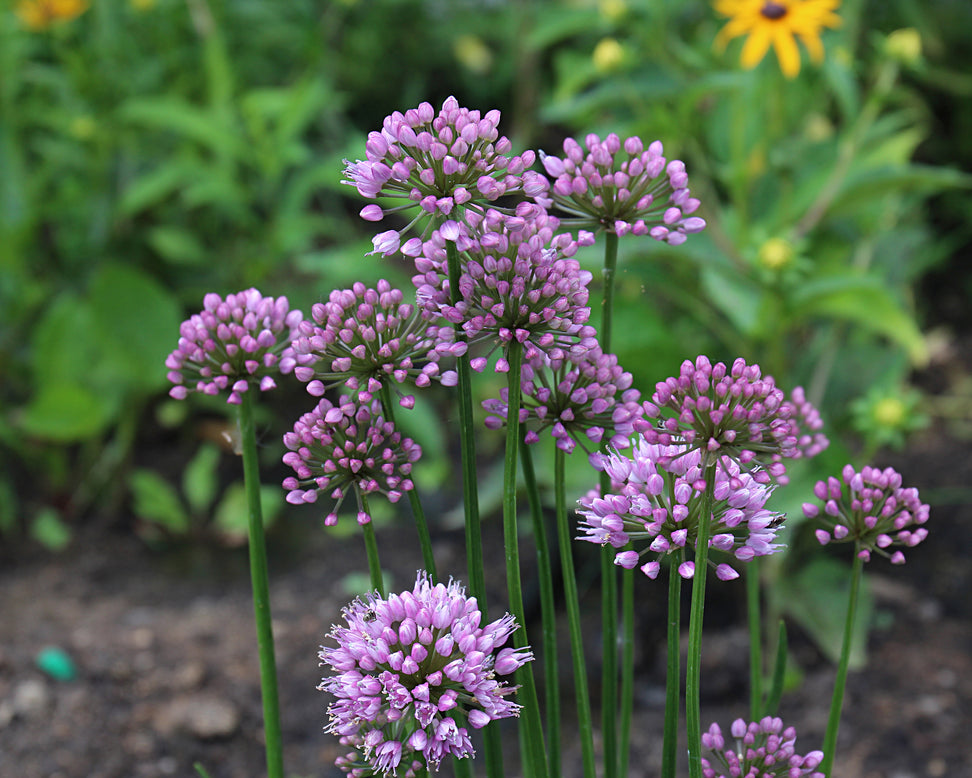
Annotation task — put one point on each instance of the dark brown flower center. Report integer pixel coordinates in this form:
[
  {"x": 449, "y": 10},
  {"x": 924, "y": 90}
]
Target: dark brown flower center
[{"x": 773, "y": 11}]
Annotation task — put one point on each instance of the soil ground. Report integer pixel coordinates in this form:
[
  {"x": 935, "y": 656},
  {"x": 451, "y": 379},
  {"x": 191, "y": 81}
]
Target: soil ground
[{"x": 167, "y": 670}]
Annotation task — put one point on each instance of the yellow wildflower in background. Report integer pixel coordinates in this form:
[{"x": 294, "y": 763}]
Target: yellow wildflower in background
[
  {"x": 778, "y": 23},
  {"x": 608, "y": 55},
  {"x": 41, "y": 14}
]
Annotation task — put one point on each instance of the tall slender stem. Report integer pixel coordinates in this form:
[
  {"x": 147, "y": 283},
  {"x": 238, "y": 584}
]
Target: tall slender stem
[
  {"x": 467, "y": 443},
  {"x": 609, "y": 580},
  {"x": 470, "y": 497},
  {"x": 627, "y": 669},
  {"x": 572, "y": 601},
  {"x": 371, "y": 549},
  {"x": 259, "y": 579},
  {"x": 837, "y": 701},
  {"x": 693, "y": 670},
  {"x": 548, "y": 612},
  {"x": 673, "y": 680},
  {"x": 607, "y": 302},
  {"x": 531, "y": 729},
  {"x": 421, "y": 525},
  {"x": 755, "y": 641}
]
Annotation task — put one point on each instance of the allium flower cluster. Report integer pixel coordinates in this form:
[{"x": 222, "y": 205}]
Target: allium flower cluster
[
  {"x": 576, "y": 398},
  {"x": 232, "y": 343},
  {"x": 656, "y": 504},
  {"x": 336, "y": 448},
  {"x": 762, "y": 749},
  {"x": 733, "y": 413},
  {"x": 455, "y": 159},
  {"x": 511, "y": 288},
  {"x": 621, "y": 187},
  {"x": 875, "y": 514},
  {"x": 362, "y": 337},
  {"x": 413, "y": 669}
]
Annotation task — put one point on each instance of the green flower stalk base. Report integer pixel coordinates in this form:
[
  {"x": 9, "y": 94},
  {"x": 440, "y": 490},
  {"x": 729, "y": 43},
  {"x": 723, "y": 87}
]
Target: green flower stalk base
[
  {"x": 261, "y": 590},
  {"x": 837, "y": 701}
]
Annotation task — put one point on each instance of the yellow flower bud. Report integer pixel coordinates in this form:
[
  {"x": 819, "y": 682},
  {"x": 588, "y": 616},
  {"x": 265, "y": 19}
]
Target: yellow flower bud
[
  {"x": 776, "y": 254},
  {"x": 612, "y": 10},
  {"x": 889, "y": 412},
  {"x": 608, "y": 55},
  {"x": 472, "y": 53},
  {"x": 904, "y": 46}
]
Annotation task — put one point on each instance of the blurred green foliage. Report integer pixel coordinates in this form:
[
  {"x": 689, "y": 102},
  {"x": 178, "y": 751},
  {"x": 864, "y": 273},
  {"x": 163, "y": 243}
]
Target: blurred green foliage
[{"x": 152, "y": 151}]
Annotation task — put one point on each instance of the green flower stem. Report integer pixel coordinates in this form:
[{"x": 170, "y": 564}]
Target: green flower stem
[
  {"x": 693, "y": 713},
  {"x": 609, "y": 665},
  {"x": 572, "y": 601},
  {"x": 673, "y": 680},
  {"x": 837, "y": 701},
  {"x": 607, "y": 303},
  {"x": 371, "y": 548},
  {"x": 548, "y": 612},
  {"x": 425, "y": 538},
  {"x": 627, "y": 667},
  {"x": 531, "y": 729},
  {"x": 755, "y": 641},
  {"x": 259, "y": 579},
  {"x": 467, "y": 443},
  {"x": 470, "y": 498}
]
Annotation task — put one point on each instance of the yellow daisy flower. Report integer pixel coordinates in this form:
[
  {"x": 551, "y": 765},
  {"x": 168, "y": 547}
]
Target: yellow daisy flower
[
  {"x": 777, "y": 22},
  {"x": 41, "y": 14}
]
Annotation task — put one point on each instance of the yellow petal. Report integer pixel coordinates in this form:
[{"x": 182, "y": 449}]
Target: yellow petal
[
  {"x": 786, "y": 52},
  {"x": 755, "y": 47},
  {"x": 814, "y": 46}
]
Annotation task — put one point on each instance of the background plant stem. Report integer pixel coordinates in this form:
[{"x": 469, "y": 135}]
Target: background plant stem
[
  {"x": 531, "y": 729},
  {"x": 421, "y": 525},
  {"x": 548, "y": 612},
  {"x": 693, "y": 672},
  {"x": 371, "y": 549},
  {"x": 572, "y": 601},
  {"x": 673, "y": 679},
  {"x": 755, "y": 641},
  {"x": 837, "y": 701},
  {"x": 259, "y": 579}
]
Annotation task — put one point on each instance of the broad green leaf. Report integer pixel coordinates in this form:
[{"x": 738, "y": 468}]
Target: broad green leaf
[
  {"x": 157, "y": 501},
  {"x": 200, "y": 479},
  {"x": 864, "y": 301},
  {"x": 816, "y": 597},
  {"x": 138, "y": 320},
  {"x": 66, "y": 341},
  {"x": 151, "y": 188},
  {"x": 231, "y": 518},
  {"x": 925, "y": 179},
  {"x": 66, "y": 412},
  {"x": 735, "y": 295},
  {"x": 48, "y": 530},
  {"x": 190, "y": 122},
  {"x": 177, "y": 245}
]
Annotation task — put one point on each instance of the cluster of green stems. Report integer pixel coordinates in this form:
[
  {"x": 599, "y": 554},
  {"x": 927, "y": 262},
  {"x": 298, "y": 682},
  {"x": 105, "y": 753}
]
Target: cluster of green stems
[{"x": 541, "y": 749}]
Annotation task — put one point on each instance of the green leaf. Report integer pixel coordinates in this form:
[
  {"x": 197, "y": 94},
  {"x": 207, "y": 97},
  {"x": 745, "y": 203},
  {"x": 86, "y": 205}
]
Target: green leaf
[
  {"x": 157, "y": 501},
  {"x": 862, "y": 300},
  {"x": 48, "y": 530},
  {"x": 151, "y": 188},
  {"x": 139, "y": 323},
  {"x": 200, "y": 479},
  {"x": 189, "y": 122},
  {"x": 232, "y": 514},
  {"x": 177, "y": 245},
  {"x": 816, "y": 598},
  {"x": 66, "y": 412},
  {"x": 925, "y": 179}
]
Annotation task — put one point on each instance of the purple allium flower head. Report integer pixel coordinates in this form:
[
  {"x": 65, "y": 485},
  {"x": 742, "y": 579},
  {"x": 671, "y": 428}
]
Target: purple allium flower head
[
  {"x": 762, "y": 749},
  {"x": 576, "y": 398},
  {"x": 362, "y": 337},
  {"x": 232, "y": 344},
  {"x": 619, "y": 186},
  {"x": 412, "y": 670},
  {"x": 335, "y": 448},
  {"x": 656, "y": 503},
  {"x": 512, "y": 287},
  {"x": 440, "y": 163},
  {"x": 875, "y": 514},
  {"x": 734, "y": 413}
]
